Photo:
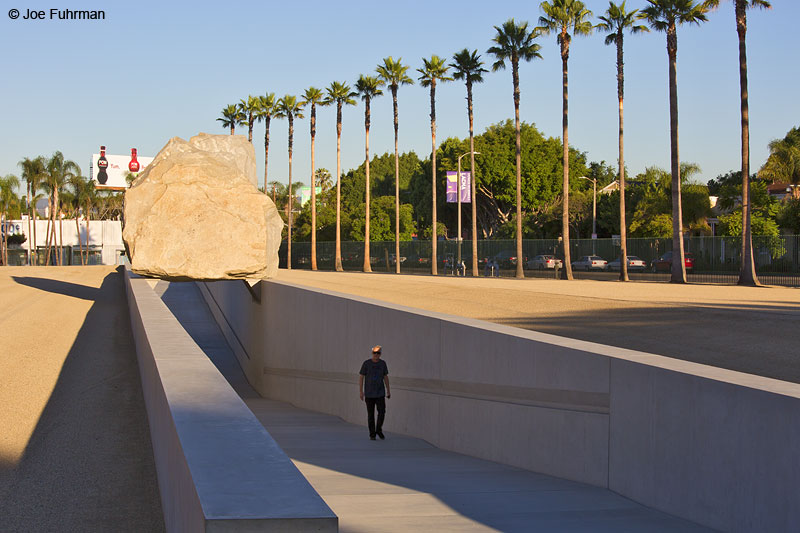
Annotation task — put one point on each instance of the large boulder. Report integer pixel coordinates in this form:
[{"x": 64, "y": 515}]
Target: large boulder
[{"x": 195, "y": 213}]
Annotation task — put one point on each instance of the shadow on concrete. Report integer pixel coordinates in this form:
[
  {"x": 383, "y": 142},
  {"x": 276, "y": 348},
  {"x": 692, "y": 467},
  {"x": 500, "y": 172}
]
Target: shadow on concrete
[
  {"x": 89, "y": 463},
  {"x": 404, "y": 483},
  {"x": 757, "y": 339},
  {"x": 66, "y": 288}
]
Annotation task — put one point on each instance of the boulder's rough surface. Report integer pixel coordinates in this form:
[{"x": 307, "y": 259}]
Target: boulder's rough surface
[{"x": 195, "y": 213}]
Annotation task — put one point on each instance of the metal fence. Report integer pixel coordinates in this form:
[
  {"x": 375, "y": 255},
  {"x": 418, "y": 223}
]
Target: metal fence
[
  {"x": 70, "y": 255},
  {"x": 716, "y": 259}
]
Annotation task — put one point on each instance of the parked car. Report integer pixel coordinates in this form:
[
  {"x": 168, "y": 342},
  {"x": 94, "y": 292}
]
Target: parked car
[
  {"x": 417, "y": 260},
  {"x": 544, "y": 261},
  {"x": 590, "y": 262},
  {"x": 508, "y": 259},
  {"x": 634, "y": 264},
  {"x": 664, "y": 263}
]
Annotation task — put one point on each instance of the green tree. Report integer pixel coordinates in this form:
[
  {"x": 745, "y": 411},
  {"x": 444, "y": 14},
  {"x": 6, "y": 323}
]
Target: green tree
[
  {"x": 561, "y": 17},
  {"x": 340, "y": 94},
  {"x": 514, "y": 42},
  {"x": 33, "y": 173},
  {"x": 393, "y": 73},
  {"x": 59, "y": 172},
  {"x": 783, "y": 163},
  {"x": 265, "y": 111},
  {"x": 468, "y": 66},
  {"x": 666, "y": 16},
  {"x": 231, "y": 116},
  {"x": 248, "y": 109},
  {"x": 289, "y": 108},
  {"x": 314, "y": 97},
  {"x": 789, "y": 216},
  {"x": 434, "y": 70},
  {"x": 616, "y": 21},
  {"x": 83, "y": 194},
  {"x": 367, "y": 87},
  {"x": 8, "y": 201}
]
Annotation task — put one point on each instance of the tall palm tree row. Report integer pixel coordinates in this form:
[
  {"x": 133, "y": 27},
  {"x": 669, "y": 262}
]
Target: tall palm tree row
[
  {"x": 514, "y": 42},
  {"x": 616, "y": 21},
  {"x": 315, "y": 97},
  {"x": 231, "y": 116},
  {"x": 562, "y": 17},
  {"x": 666, "y": 16},
  {"x": 8, "y": 200},
  {"x": 247, "y": 114},
  {"x": 266, "y": 109},
  {"x": 289, "y": 108},
  {"x": 368, "y": 87},
  {"x": 468, "y": 66},
  {"x": 59, "y": 172},
  {"x": 393, "y": 73},
  {"x": 340, "y": 94},
  {"x": 434, "y": 70}
]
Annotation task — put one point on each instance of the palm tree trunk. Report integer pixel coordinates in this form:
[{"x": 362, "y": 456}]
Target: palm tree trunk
[
  {"x": 233, "y": 126},
  {"x": 250, "y": 129},
  {"x": 338, "y": 259},
  {"x": 747, "y": 274},
  {"x": 623, "y": 232},
  {"x": 28, "y": 193},
  {"x": 367, "y": 263},
  {"x": 678, "y": 265},
  {"x": 473, "y": 199},
  {"x": 88, "y": 212},
  {"x": 565, "y": 155},
  {"x": 396, "y": 188},
  {"x": 434, "y": 225},
  {"x": 313, "y": 190},
  {"x": 266, "y": 150},
  {"x": 35, "y": 258},
  {"x": 290, "y": 199},
  {"x": 515, "y": 78},
  {"x": 80, "y": 241},
  {"x": 60, "y": 231},
  {"x": 47, "y": 231}
]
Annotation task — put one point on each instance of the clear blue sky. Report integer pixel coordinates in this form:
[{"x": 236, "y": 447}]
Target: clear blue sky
[{"x": 154, "y": 70}]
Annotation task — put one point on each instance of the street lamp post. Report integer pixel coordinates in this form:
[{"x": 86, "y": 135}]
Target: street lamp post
[
  {"x": 594, "y": 211},
  {"x": 458, "y": 264}
]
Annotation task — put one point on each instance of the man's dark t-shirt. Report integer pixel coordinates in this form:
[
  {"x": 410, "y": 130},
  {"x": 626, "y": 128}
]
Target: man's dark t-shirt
[{"x": 373, "y": 378}]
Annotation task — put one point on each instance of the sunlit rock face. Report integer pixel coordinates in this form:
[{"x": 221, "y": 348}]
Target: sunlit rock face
[{"x": 195, "y": 213}]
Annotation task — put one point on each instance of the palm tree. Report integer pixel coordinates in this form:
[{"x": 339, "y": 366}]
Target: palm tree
[
  {"x": 8, "y": 200},
  {"x": 289, "y": 108},
  {"x": 265, "y": 112},
  {"x": 747, "y": 274},
  {"x": 368, "y": 87},
  {"x": 314, "y": 97},
  {"x": 616, "y": 21},
  {"x": 666, "y": 16},
  {"x": 83, "y": 192},
  {"x": 393, "y": 73},
  {"x": 59, "y": 172},
  {"x": 561, "y": 17},
  {"x": 231, "y": 116},
  {"x": 247, "y": 114},
  {"x": 783, "y": 163},
  {"x": 341, "y": 94},
  {"x": 434, "y": 69},
  {"x": 514, "y": 42},
  {"x": 33, "y": 174},
  {"x": 468, "y": 66}
]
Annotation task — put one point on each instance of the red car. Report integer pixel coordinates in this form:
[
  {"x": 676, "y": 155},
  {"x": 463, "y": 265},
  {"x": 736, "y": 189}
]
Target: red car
[{"x": 664, "y": 263}]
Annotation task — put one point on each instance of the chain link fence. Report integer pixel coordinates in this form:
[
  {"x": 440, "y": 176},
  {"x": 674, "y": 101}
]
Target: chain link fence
[{"x": 716, "y": 259}]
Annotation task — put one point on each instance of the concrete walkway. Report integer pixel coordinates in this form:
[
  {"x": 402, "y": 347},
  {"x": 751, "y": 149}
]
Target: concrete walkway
[{"x": 405, "y": 484}]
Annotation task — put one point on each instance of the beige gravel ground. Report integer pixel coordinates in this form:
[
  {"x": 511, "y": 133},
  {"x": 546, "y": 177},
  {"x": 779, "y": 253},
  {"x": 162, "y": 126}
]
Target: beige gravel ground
[
  {"x": 749, "y": 329},
  {"x": 75, "y": 451}
]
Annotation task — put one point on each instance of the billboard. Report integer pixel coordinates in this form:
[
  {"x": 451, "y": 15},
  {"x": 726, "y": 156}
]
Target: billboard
[
  {"x": 452, "y": 187},
  {"x": 111, "y": 175}
]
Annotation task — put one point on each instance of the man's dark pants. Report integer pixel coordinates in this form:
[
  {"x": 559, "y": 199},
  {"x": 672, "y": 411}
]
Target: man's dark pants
[{"x": 372, "y": 403}]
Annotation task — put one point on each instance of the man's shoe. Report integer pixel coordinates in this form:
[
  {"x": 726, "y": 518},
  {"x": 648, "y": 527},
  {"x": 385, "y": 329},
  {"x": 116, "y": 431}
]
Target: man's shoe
[
  {"x": 380, "y": 434},
  {"x": 372, "y": 437}
]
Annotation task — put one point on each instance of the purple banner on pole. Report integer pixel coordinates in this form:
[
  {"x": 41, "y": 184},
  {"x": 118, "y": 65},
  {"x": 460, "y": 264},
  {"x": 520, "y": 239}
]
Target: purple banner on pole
[{"x": 452, "y": 187}]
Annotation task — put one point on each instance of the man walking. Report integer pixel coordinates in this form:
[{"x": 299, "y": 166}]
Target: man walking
[{"x": 372, "y": 378}]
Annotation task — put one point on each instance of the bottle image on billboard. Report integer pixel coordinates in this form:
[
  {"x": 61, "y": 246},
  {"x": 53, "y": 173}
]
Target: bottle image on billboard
[
  {"x": 133, "y": 166},
  {"x": 102, "y": 165}
]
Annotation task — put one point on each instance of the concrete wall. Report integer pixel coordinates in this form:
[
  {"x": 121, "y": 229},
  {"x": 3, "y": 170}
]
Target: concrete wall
[
  {"x": 711, "y": 445},
  {"x": 218, "y": 468}
]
